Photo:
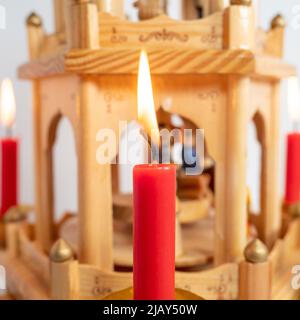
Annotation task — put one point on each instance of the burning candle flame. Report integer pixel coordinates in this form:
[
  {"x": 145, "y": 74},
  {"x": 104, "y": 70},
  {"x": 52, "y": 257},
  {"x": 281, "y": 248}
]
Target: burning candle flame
[
  {"x": 7, "y": 104},
  {"x": 294, "y": 99},
  {"x": 146, "y": 107}
]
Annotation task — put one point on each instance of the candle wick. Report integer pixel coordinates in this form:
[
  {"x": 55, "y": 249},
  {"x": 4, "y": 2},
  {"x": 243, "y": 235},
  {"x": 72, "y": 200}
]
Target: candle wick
[
  {"x": 154, "y": 153},
  {"x": 154, "y": 148}
]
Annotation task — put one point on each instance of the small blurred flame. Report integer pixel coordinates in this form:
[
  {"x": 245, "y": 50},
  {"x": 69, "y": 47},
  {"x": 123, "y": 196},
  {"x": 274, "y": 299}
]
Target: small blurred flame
[
  {"x": 146, "y": 107},
  {"x": 7, "y": 104},
  {"x": 294, "y": 99}
]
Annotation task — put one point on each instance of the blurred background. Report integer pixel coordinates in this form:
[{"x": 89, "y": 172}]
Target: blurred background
[{"x": 13, "y": 52}]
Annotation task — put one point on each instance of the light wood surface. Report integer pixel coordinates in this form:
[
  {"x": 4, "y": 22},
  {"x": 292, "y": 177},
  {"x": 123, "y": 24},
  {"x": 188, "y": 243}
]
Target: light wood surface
[
  {"x": 254, "y": 281},
  {"x": 270, "y": 42},
  {"x": 239, "y": 30},
  {"x": 231, "y": 224},
  {"x": 148, "y": 9},
  {"x": 35, "y": 35},
  {"x": 161, "y": 32},
  {"x": 125, "y": 61},
  {"x": 64, "y": 280},
  {"x": 115, "y": 7},
  {"x": 95, "y": 188},
  {"x": 59, "y": 14},
  {"x": 84, "y": 24},
  {"x": 219, "y": 283},
  {"x": 272, "y": 214},
  {"x": 34, "y": 258},
  {"x": 21, "y": 282},
  {"x": 220, "y": 73},
  {"x": 197, "y": 243}
]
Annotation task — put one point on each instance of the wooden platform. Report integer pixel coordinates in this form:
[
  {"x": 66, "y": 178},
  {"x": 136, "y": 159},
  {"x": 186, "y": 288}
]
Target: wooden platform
[
  {"x": 21, "y": 281},
  {"x": 197, "y": 243},
  {"x": 27, "y": 273},
  {"x": 162, "y": 61}
]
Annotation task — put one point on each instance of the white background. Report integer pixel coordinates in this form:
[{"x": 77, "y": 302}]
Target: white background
[{"x": 13, "y": 52}]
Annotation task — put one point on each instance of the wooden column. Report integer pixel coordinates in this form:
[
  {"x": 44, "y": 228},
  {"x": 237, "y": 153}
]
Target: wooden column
[
  {"x": 218, "y": 5},
  {"x": 239, "y": 25},
  {"x": 115, "y": 7},
  {"x": 231, "y": 229},
  {"x": 14, "y": 220},
  {"x": 35, "y": 35},
  {"x": 95, "y": 190},
  {"x": 64, "y": 272},
  {"x": 271, "y": 214},
  {"x": 231, "y": 223},
  {"x": 255, "y": 273},
  {"x": 190, "y": 9},
  {"x": 59, "y": 13},
  {"x": 44, "y": 223},
  {"x": 84, "y": 24},
  {"x": 148, "y": 9}
]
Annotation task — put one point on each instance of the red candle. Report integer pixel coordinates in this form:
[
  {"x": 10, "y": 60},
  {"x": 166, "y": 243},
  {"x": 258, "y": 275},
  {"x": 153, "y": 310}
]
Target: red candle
[
  {"x": 9, "y": 149},
  {"x": 154, "y": 194},
  {"x": 9, "y": 152},
  {"x": 154, "y": 232},
  {"x": 292, "y": 193}
]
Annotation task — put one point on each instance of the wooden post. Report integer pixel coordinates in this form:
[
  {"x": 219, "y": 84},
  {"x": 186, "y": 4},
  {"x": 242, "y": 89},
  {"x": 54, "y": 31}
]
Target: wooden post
[
  {"x": 115, "y": 7},
  {"x": 59, "y": 13},
  {"x": 278, "y": 29},
  {"x": 231, "y": 230},
  {"x": 231, "y": 223},
  {"x": 151, "y": 8},
  {"x": 43, "y": 230},
  {"x": 35, "y": 35},
  {"x": 42, "y": 235},
  {"x": 95, "y": 188},
  {"x": 191, "y": 9},
  {"x": 84, "y": 25},
  {"x": 218, "y": 5},
  {"x": 255, "y": 273},
  {"x": 46, "y": 221},
  {"x": 14, "y": 219},
  {"x": 95, "y": 191},
  {"x": 64, "y": 272},
  {"x": 271, "y": 217},
  {"x": 239, "y": 28}
]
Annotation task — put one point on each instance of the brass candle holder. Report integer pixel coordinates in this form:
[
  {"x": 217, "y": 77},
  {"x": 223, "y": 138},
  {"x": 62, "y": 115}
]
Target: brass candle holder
[{"x": 128, "y": 295}]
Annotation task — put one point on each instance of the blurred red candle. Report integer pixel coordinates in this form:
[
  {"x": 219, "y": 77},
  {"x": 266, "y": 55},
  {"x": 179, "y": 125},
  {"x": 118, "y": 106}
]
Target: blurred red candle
[
  {"x": 9, "y": 149},
  {"x": 154, "y": 194},
  {"x": 292, "y": 193},
  {"x": 292, "y": 190}
]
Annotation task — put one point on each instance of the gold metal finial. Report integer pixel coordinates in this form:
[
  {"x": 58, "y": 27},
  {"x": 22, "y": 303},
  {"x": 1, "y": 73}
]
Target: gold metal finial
[
  {"x": 34, "y": 20},
  {"x": 278, "y": 22},
  {"x": 241, "y": 2},
  {"x": 17, "y": 213},
  {"x": 256, "y": 252},
  {"x": 61, "y": 252}
]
